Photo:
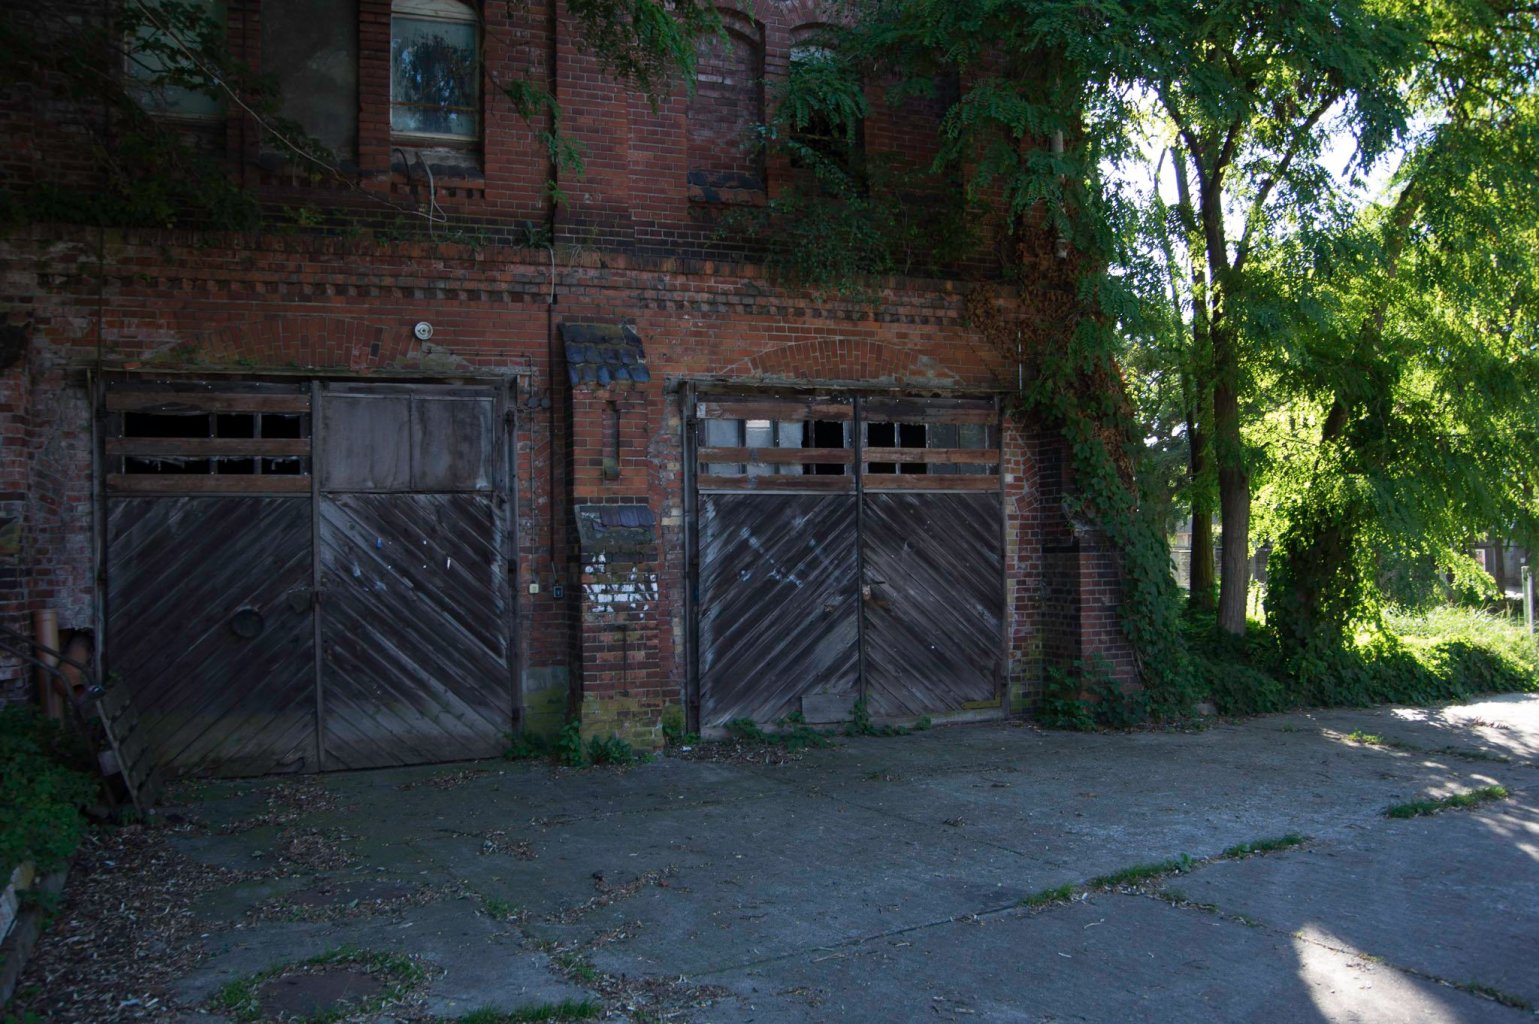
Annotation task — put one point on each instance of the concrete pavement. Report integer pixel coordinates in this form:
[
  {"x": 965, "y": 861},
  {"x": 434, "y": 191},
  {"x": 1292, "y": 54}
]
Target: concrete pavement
[{"x": 883, "y": 879}]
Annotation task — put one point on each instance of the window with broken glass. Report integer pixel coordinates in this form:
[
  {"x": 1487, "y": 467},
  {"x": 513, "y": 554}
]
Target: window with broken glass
[{"x": 756, "y": 440}]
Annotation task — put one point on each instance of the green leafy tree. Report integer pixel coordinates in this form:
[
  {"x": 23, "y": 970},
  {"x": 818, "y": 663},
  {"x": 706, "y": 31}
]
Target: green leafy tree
[{"x": 1420, "y": 372}]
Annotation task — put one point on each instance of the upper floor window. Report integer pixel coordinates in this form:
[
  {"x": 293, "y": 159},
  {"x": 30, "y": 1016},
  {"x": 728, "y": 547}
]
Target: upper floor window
[
  {"x": 435, "y": 70},
  {"x": 310, "y": 48},
  {"x": 827, "y": 119},
  {"x": 170, "y": 58},
  {"x": 725, "y": 162}
]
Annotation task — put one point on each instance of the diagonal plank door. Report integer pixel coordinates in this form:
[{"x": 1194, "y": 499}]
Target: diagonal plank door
[
  {"x": 414, "y": 655},
  {"x": 778, "y": 612},
  {"x": 933, "y": 602},
  {"x": 847, "y": 548},
  {"x": 209, "y": 626},
  {"x": 415, "y": 644}
]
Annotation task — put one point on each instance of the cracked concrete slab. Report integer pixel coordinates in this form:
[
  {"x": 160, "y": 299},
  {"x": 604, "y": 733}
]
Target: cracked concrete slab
[{"x": 882, "y": 879}]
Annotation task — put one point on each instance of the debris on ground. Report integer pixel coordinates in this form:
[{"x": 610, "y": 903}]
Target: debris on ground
[
  {"x": 125, "y": 929},
  {"x": 286, "y": 803}
]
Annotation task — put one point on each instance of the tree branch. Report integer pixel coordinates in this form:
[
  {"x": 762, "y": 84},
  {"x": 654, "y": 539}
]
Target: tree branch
[{"x": 1253, "y": 217}]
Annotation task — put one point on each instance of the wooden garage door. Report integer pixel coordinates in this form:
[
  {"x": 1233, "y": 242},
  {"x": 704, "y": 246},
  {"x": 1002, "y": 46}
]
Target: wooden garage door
[
  {"x": 415, "y": 655},
  {"x": 932, "y": 556},
  {"x": 779, "y": 594},
  {"x": 847, "y": 548},
  {"x": 303, "y": 577}
]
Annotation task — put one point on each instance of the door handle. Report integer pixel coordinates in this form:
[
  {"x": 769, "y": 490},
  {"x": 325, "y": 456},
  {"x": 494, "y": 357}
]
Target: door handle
[{"x": 871, "y": 595}]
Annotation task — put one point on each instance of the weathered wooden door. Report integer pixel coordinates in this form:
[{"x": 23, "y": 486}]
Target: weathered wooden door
[
  {"x": 847, "y": 548},
  {"x": 932, "y": 556},
  {"x": 415, "y": 662},
  {"x": 208, "y": 572},
  {"x": 779, "y": 600},
  {"x": 247, "y": 522}
]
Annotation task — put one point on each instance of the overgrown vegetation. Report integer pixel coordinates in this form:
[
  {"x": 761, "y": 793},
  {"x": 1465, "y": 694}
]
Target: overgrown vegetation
[
  {"x": 43, "y": 786},
  {"x": 1085, "y": 697},
  {"x": 792, "y": 734},
  {"x": 1440, "y": 655},
  {"x": 568, "y": 749},
  {"x": 1455, "y": 801},
  {"x": 1350, "y": 348}
]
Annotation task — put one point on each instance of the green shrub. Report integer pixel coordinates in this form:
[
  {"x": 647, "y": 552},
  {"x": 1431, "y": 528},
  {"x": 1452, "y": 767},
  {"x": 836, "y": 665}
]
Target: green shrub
[
  {"x": 1445, "y": 653},
  {"x": 792, "y": 735},
  {"x": 569, "y": 751},
  {"x": 41, "y": 791},
  {"x": 1237, "y": 688},
  {"x": 1085, "y": 697},
  {"x": 613, "y": 750}
]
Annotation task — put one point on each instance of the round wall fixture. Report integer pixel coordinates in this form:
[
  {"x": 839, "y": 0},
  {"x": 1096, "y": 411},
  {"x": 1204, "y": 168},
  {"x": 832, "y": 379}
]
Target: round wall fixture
[
  {"x": 247, "y": 623},
  {"x": 423, "y": 330}
]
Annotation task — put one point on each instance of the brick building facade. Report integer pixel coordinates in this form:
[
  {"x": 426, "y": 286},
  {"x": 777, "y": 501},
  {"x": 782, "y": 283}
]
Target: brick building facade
[{"x": 599, "y": 351}]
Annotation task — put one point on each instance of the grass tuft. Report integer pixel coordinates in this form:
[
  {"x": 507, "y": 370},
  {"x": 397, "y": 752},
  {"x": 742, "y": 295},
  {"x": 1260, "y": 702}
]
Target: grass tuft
[
  {"x": 1456, "y": 801},
  {"x": 1045, "y": 897},
  {"x": 566, "y": 1010},
  {"x": 1272, "y": 845},
  {"x": 1141, "y": 873}
]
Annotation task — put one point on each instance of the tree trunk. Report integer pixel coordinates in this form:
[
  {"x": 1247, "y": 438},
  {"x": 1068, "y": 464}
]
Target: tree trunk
[
  {"x": 1198, "y": 395},
  {"x": 1202, "y": 580},
  {"x": 1233, "y": 484}
]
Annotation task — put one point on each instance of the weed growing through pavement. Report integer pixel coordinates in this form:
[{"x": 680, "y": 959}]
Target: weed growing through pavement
[
  {"x": 1369, "y": 739},
  {"x": 1046, "y": 897},
  {"x": 1272, "y": 845},
  {"x": 566, "y": 1010},
  {"x": 1140, "y": 875},
  {"x": 500, "y": 909},
  {"x": 1456, "y": 801},
  {"x": 1496, "y": 995},
  {"x": 576, "y": 966}
]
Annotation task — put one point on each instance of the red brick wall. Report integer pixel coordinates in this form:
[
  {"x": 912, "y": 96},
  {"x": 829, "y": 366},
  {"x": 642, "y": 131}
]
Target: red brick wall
[
  {"x": 15, "y": 407},
  {"x": 629, "y": 246},
  {"x": 248, "y": 304}
]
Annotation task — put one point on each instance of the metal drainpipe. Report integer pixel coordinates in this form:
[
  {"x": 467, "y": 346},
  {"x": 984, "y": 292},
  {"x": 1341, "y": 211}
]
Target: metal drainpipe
[{"x": 691, "y": 569}]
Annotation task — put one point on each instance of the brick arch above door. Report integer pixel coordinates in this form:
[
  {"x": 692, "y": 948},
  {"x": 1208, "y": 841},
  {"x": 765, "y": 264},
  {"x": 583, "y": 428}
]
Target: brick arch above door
[
  {"x": 845, "y": 359},
  {"x": 309, "y": 341}
]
